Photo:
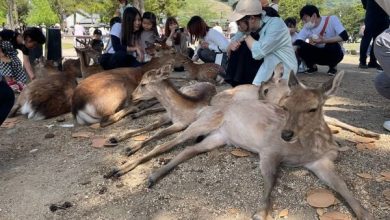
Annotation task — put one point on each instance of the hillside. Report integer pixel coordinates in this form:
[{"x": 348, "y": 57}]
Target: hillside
[{"x": 208, "y": 9}]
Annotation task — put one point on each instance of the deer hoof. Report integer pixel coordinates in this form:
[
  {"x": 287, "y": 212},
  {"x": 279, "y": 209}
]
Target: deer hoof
[
  {"x": 114, "y": 173},
  {"x": 151, "y": 182},
  {"x": 113, "y": 141}
]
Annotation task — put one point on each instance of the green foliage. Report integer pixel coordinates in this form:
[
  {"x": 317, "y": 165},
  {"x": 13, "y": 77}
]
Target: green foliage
[
  {"x": 291, "y": 8},
  {"x": 164, "y": 7},
  {"x": 41, "y": 12}
]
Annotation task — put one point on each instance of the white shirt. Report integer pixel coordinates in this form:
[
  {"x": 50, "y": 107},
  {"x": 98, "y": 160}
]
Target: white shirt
[
  {"x": 79, "y": 30},
  {"x": 116, "y": 31},
  {"x": 334, "y": 28},
  {"x": 218, "y": 28},
  {"x": 274, "y": 6},
  {"x": 217, "y": 42},
  {"x": 233, "y": 27}
]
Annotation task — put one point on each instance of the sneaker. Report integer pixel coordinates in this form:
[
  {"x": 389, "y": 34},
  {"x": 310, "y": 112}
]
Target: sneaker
[
  {"x": 363, "y": 66},
  {"x": 332, "y": 71},
  {"x": 312, "y": 70},
  {"x": 386, "y": 125}
]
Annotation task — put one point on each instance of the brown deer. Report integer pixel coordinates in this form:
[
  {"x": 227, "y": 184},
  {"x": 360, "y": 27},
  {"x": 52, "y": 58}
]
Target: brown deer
[
  {"x": 294, "y": 134},
  {"x": 208, "y": 72},
  {"x": 72, "y": 65},
  {"x": 182, "y": 107},
  {"x": 105, "y": 97},
  {"x": 84, "y": 55},
  {"x": 47, "y": 96}
]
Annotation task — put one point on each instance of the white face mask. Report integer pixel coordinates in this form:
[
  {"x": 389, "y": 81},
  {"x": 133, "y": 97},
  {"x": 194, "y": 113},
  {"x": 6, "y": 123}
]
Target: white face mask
[{"x": 309, "y": 25}]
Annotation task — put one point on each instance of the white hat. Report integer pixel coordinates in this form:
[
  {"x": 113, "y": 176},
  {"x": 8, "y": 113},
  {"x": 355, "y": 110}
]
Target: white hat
[{"x": 244, "y": 8}]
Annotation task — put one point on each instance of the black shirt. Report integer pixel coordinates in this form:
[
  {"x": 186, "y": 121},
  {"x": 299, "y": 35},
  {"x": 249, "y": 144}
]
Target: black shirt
[{"x": 10, "y": 35}]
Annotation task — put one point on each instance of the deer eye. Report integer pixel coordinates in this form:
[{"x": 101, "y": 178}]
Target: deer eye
[
  {"x": 313, "y": 110},
  {"x": 265, "y": 92}
]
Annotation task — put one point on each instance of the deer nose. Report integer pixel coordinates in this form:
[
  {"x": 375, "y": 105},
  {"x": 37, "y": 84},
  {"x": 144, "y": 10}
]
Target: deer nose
[{"x": 287, "y": 135}]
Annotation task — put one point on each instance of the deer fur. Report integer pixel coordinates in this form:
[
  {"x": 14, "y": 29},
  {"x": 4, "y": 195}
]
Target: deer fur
[
  {"x": 182, "y": 107},
  {"x": 293, "y": 134},
  {"x": 208, "y": 72},
  {"x": 104, "y": 96},
  {"x": 72, "y": 65},
  {"x": 47, "y": 96},
  {"x": 84, "y": 55}
]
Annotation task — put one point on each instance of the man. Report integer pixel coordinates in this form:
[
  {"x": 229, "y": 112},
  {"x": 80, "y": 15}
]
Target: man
[
  {"x": 382, "y": 53},
  {"x": 29, "y": 40},
  {"x": 375, "y": 21},
  {"x": 264, "y": 38},
  {"x": 324, "y": 34}
]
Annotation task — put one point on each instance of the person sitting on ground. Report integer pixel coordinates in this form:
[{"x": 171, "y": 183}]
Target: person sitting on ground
[
  {"x": 324, "y": 34},
  {"x": 149, "y": 33},
  {"x": 259, "y": 38},
  {"x": 210, "y": 40},
  {"x": 218, "y": 28},
  {"x": 291, "y": 23},
  {"x": 13, "y": 70},
  {"x": 382, "y": 53},
  {"x": 177, "y": 37},
  {"x": 126, "y": 50}
]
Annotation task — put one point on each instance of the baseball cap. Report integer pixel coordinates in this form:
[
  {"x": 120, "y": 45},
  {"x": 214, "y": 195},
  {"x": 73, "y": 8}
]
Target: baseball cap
[
  {"x": 97, "y": 31},
  {"x": 244, "y": 8}
]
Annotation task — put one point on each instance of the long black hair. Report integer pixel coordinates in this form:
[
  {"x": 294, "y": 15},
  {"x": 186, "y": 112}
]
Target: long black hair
[{"x": 128, "y": 35}]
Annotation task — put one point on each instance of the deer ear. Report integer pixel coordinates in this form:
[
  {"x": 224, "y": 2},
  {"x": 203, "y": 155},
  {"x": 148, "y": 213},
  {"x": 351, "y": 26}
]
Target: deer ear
[
  {"x": 293, "y": 81},
  {"x": 330, "y": 87},
  {"x": 278, "y": 72},
  {"x": 166, "y": 70}
]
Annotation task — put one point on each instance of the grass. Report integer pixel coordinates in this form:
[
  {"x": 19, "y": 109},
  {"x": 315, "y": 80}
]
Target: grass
[
  {"x": 66, "y": 45},
  {"x": 352, "y": 46}
]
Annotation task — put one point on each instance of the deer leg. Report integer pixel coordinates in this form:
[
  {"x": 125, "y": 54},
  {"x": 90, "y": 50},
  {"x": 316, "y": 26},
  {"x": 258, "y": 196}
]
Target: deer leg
[
  {"x": 164, "y": 132},
  {"x": 130, "y": 133},
  {"x": 200, "y": 127},
  {"x": 269, "y": 166},
  {"x": 209, "y": 143},
  {"x": 14, "y": 110},
  {"x": 324, "y": 169},
  {"x": 359, "y": 131},
  {"x": 147, "y": 111},
  {"x": 117, "y": 116}
]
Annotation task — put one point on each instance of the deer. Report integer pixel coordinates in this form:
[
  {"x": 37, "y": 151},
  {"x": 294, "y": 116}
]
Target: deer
[
  {"x": 181, "y": 107},
  {"x": 105, "y": 97},
  {"x": 209, "y": 72},
  {"x": 48, "y": 96},
  {"x": 72, "y": 65},
  {"x": 85, "y": 55},
  {"x": 292, "y": 133}
]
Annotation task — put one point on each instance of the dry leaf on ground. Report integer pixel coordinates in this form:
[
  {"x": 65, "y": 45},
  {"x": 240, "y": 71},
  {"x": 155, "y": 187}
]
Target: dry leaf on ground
[
  {"x": 140, "y": 138},
  {"x": 240, "y": 153},
  {"x": 95, "y": 126},
  {"x": 364, "y": 175},
  {"x": 320, "y": 212},
  {"x": 98, "y": 142},
  {"x": 386, "y": 175},
  {"x": 334, "y": 215},
  {"x": 320, "y": 198},
  {"x": 365, "y": 146},
  {"x": 283, "y": 213},
  {"x": 9, "y": 123},
  {"x": 82, "y": 134},
  {"x": 386, "y": 194}
]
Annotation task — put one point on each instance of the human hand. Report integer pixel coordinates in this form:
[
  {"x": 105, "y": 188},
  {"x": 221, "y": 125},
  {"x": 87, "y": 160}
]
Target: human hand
[
  {"x": 173, "y": 27},
  {"x": 318, "y": 40},
  {"x": 140, "y": 54},
  {"x": 234, "y": 45}
]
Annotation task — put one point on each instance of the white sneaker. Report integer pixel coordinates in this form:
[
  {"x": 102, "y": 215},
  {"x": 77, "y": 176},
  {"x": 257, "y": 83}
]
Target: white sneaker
[{"x": 386, "y": 125}]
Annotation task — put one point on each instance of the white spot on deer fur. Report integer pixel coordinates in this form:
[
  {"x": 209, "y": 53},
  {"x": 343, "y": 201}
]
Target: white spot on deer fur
[{"x": 26, "y": 108}]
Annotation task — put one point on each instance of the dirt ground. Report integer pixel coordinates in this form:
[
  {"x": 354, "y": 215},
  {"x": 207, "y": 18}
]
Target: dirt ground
[{"x": 36, "y": 172}]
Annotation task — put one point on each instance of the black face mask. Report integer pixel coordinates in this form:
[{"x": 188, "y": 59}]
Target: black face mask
[{"x": 256, "y": 34}]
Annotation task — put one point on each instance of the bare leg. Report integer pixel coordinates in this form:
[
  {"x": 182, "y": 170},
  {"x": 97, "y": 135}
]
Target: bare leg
[
  {"x": 202, "y": 126},
  {"x": 323, "y": 168},
  {"x": 269, "y": 166},
  {"x": 129, "y": 133},
  {"x": 209, "y": 143},
  {"x": 164, "y": 132},
  {"x": 359, "y": 131}
]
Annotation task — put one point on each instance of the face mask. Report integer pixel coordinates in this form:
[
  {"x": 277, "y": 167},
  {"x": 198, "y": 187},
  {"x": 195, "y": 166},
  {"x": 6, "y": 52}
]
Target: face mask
[{"x": 309, "y": 25}]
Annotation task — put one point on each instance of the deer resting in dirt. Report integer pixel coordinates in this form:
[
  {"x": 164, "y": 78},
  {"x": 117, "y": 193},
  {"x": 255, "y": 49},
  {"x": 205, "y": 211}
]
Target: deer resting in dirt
[
  {"x": 105, "y": 97},
  {"x": 293, "y": 134},
  {"x": 208, "y": 72},
  {"x": 182, "y": 107},
  {"x": 47, "y": 96}
]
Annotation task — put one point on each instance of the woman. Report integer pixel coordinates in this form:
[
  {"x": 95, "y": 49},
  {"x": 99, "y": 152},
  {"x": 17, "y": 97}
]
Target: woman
[
  {"x": 177, "y": 37},
  {"x": 211, "y": 41},
  {"x": 126, "y": 50}
]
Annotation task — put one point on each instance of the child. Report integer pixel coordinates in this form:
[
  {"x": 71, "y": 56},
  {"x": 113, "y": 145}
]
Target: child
[
  {"x": 291, "y": 23},
  {"x": 97, "y": 43},
  {"x": 149, "y": 33}
]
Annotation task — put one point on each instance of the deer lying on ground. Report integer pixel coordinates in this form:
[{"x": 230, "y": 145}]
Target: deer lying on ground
[
  {"x": 105, "y": 97},
  {"x": 182, "y": 107},
  {"x": 48, "y": 96},
  {"x": 294, "y": 134},
  {"x": 85, "y": 55},
  {"x": 208, "y": 72},
  {"x": 72, "y": 65}
]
